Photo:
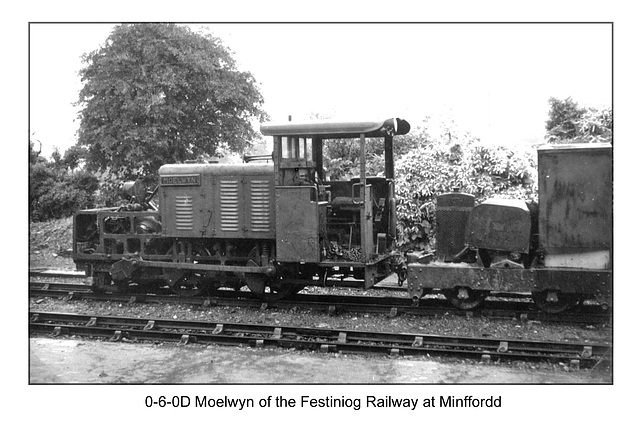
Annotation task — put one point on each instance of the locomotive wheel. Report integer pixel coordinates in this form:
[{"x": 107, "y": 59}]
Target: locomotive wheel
[
  {"x": 465, "y": 298},
  {"x": 256, "y": 284},
  {"x": 281, "y": 291},
  {"x": 276, "y": 289},
  {"x": 186, "y": 282},
  {"x": 552, "y": 301},
  {"x": 102, "y": 282}
]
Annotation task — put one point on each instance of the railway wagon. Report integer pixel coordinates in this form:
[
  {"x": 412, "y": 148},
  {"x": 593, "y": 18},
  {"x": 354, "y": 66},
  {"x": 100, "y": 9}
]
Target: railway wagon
[
  {"x": 275, "y": 227},
  {"x": 558, "y": 251}
]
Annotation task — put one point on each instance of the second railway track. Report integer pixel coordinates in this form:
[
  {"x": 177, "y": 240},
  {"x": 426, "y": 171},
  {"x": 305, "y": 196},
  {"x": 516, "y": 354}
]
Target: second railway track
[{"x": 116, "y": 328}]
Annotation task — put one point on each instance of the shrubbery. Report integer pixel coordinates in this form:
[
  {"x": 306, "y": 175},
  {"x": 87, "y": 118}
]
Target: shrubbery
[
  {"x": 55, "y": 190},
  {"x": 448, "y": 160}
]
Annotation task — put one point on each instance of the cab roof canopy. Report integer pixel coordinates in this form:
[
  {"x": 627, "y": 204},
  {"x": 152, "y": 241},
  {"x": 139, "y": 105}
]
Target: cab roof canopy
[{"x": 338, "y": 130}]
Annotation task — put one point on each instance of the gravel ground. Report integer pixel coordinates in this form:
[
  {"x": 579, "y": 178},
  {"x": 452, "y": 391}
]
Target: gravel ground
[{"x": 50, "y": 244}]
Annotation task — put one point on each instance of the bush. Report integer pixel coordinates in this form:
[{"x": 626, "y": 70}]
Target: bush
[
  {"x": 55, "y": 191},
  {"x": 456, "y": 161}
]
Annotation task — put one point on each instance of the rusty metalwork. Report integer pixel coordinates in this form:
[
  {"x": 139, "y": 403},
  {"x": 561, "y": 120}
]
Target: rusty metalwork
[
  {"x": 452, "y": 214},
  {"x": 558, "y": 251},
  {"x": 576, "y": 203}
]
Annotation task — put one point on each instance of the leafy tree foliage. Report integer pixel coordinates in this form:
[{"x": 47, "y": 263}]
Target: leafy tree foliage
[
  {"x": 563, "y": 118},
  {"x": 160, "y": 93},
  {"x": 445, "y": 158},
  {"x": 570, "y": 123},
  {"x": 342, "y": 158},
  {"x": 596, "y": 126},
  {"x": 55, "y": 190}
]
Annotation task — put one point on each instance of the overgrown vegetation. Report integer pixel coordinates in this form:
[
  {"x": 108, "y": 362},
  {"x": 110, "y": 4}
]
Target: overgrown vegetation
[
  {"x": 444, "y": 159},
  {"x": 342, "y": 158},
  {"x": 570, "y": 123},
  {"x": 56, "y": 189}
]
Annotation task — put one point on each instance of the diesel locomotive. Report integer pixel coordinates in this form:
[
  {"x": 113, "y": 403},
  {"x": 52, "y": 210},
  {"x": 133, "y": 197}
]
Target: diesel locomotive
[
  {"x": 274, "y": 227},
  {"x": 276, "y": 224}
]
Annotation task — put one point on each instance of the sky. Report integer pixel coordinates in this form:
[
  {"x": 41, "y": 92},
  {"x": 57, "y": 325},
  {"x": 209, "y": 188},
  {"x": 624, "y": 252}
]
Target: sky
[{"x": 494, "y": 80}]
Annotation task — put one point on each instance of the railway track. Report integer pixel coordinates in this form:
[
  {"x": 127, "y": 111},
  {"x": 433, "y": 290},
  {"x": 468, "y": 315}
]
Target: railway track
[
  {"x": 322, "y": 340},
  {"x": 392, "y": 306}
]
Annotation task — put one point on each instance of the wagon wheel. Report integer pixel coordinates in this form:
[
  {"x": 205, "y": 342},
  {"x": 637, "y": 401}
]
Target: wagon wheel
[
  {"x": 425, "y": 292},
  {"x": 465, "y": 298},
  {"x": 553, "y": 301},
  {"x": 422, "y": 293},
  {"x": 186, "y": 282}
]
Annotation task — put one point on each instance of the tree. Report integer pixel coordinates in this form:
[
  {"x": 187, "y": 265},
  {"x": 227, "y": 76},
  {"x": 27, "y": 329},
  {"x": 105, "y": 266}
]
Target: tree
[
  {"x": 55, "y": 190},
  {"x": 342, "y": 158},
  {"x": 570, "y": 123},
  {"x": 596, "y": 126},
  {"x": 160, "y": 93}
]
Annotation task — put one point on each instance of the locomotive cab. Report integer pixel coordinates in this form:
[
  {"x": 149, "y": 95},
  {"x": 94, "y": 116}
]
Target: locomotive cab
[{"x": 333, "y": 228}]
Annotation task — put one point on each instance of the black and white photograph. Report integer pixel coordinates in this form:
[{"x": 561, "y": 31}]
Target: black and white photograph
[{"x": 316, "y": 218}]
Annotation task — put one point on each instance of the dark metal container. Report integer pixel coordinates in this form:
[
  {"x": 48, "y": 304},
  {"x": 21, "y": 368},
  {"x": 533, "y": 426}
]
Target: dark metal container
[
  {"x": 452, "y": 214},
  {"x": 576, "y": 204},
  {"x": 500, "y": 224}
]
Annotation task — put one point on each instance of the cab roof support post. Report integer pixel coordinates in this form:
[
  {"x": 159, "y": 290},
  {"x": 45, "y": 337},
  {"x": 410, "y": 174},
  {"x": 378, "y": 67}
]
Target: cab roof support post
[
  {"x": 363, "y": 194},
  {"x": 316, "y": 144},
  {"x": 388, "y": 158},
  {"x": 277, "y": 156},
  {"x": 363, "y": 167}
]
